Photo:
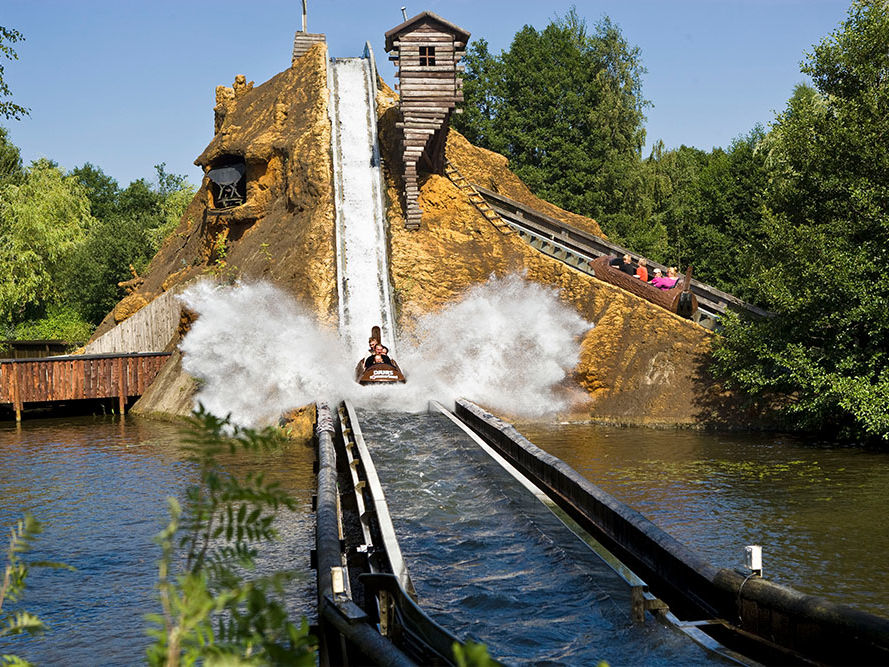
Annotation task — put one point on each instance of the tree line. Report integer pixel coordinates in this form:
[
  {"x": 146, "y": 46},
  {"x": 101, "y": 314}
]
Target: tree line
[
  {"x": 793, "y": 217},
  {"x": 68, "y": 238}
]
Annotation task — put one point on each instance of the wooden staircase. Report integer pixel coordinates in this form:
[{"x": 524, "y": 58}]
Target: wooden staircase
[{"x": 477, "y": 200}]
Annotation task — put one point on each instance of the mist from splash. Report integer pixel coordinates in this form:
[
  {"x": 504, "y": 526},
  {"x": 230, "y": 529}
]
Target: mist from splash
[{"x": 508, "y": 344}]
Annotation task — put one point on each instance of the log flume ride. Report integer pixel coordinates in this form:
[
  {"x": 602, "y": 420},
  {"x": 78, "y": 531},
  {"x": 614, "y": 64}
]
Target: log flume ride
[
  {"x": 377, "y": 373},
  {"x": 368, "y": 606},
  {"x": 679, "y": 299}
]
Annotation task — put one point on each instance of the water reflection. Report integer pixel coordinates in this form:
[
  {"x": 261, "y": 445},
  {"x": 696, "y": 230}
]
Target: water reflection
[
  {"x": 816, "y": 511},
  {"x": 99, "y": 485}
]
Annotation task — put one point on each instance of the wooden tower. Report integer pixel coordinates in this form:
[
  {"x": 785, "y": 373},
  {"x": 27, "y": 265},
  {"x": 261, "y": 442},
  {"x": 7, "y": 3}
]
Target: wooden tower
[{"x": 426, "y": 49}]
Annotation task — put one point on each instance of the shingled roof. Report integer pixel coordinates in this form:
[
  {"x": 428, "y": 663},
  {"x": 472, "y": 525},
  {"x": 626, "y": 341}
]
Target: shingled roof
[{"x": 460, "y": 33}]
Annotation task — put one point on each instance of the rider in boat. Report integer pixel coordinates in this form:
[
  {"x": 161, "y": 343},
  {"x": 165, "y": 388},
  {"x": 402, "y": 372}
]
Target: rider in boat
[{"x": 378, "y": 357}]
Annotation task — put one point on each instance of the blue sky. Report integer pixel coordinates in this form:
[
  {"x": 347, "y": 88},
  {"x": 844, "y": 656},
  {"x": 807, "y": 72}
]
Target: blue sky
[{"x": 127, "y": 84}]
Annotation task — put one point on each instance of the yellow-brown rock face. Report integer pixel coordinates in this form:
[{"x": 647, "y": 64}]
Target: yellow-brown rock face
[
  {"x": 639, "y": 364},
  {"x": 284, "y": 231}
]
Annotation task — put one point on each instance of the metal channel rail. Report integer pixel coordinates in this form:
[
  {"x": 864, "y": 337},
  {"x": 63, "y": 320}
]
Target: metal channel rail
[
  {"x": 576, "y": 248},
  {"x": 641, "y": 598},
  {"x": 734, "y": 613},
  {"x": 367, "y": 606}
]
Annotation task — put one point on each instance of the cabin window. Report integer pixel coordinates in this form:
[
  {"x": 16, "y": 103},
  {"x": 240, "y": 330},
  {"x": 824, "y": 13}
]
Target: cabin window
[
  {"x": 427, "y": 56},
  {"x": 229, "y": 183}
]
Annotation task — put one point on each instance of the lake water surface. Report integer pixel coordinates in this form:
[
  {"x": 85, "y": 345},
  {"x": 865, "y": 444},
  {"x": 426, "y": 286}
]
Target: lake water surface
[{"x": 100, "y": 485}]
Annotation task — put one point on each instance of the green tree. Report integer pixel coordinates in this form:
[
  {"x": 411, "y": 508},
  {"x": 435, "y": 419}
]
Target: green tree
[
  {"x": 42, "y": 220},
  {"x": 8, "y": 109},
  {"x": 565, "y": 106},
  {"x": 11, "y": 169},
  {"x": 824, "y": 358},
  {"x": 711, "y": 207},
  {"x": 130, "y": 226}
]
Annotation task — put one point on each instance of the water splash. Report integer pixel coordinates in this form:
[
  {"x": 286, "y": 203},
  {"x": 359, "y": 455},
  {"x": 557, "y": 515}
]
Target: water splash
[
  {"x": 257, "y": 353},
  {"x": 508, "y": 344}
]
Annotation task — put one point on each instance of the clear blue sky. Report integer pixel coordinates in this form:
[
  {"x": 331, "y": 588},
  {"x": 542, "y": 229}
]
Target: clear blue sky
[{"x": 126, "y": 84}]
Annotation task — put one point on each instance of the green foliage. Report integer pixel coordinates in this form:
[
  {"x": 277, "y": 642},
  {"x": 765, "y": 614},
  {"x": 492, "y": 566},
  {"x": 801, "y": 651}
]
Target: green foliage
[
  {"x": 216, "y": 536},
  {"x": 824, "y": 359},
  {"x": 12, "y": 587},
  {"x": 711, "y": 207},
  {"x": 9, "y": 109},
  {"x": 42, "y": 220},
  {"x": 58, "y": 323},
  {"x": 565, "y": 106},
  {"x": 11, "y": 170},
  {"x": 472, "y": 655},
  {"x": 130, "y": 225}
]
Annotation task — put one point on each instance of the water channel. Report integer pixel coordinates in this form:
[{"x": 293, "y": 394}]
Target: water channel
[
  {"x": 100, "y": 485},
  {"x": 817, "y": 511}
]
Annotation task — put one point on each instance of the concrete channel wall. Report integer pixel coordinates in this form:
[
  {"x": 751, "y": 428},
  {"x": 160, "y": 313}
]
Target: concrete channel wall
[{"x": 695, "y": 589}]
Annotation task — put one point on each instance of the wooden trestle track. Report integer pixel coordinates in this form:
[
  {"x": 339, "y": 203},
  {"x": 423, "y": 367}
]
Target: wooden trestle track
[{"x": 77, "y": 377}]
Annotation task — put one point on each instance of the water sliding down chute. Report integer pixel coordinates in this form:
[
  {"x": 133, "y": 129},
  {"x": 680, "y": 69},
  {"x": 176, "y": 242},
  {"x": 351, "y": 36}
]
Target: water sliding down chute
[{"x": 377, "y": 368}]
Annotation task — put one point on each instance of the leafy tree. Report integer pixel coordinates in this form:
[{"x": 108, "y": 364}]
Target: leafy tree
[
  {"x": 101, "y": 261},
  {"x": 710, "y": 205},
  {"x": 219, "y": 530},
  {"x": 102, "y": 190},
  {"x": 9, "y": 109},
  {"x": 11, "y": 170},
  {"x": 824, "y": 358},
  {"x": 42, "y": 220},
  {"x": 130, "y": 225},
  {"x": 565, "y": 106}
]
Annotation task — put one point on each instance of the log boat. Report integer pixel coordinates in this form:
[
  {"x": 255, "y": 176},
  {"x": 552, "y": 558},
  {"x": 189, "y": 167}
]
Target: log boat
[
  {"x": 378, "y": 373},
  {"x": 679, "y": 299}
]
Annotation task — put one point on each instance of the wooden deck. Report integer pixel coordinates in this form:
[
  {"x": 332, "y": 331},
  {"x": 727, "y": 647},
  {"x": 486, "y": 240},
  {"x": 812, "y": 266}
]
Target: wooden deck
[{"x": 77, "y": 377}]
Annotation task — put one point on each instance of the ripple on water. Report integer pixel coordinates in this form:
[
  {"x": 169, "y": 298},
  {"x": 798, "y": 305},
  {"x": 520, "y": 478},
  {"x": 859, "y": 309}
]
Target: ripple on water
[
  {"x": 490, "y": 562},
  {"x": 100, "y": 487}
]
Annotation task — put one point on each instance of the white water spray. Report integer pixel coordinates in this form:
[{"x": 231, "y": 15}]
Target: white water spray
[{"x": 507, "y": 344}]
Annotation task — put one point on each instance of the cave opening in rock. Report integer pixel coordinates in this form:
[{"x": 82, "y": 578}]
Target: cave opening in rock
[{"x": 229, "y": 182}]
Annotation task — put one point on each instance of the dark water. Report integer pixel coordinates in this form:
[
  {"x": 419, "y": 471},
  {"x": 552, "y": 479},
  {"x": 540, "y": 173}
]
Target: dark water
[
  {"x": 818, "y": 512},
  {"x": 100, "y": 486},
  {"x": 490, "y": 562}
]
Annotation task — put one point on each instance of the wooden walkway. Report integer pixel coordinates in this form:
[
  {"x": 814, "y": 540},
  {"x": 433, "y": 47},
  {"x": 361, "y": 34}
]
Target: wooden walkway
[{"x": 77, "y": 377}]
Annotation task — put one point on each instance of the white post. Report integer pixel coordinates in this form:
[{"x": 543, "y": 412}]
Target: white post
[{"x": 305, "y": 11}]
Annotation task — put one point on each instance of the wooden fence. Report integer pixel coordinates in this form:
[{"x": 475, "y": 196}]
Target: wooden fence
[
  {"x": 77, "y": 377},
  {"x": 148, "y": 330}
]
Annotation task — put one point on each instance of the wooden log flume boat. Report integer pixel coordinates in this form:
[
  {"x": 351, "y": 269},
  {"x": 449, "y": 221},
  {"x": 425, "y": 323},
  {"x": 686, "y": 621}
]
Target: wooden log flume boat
[
  {"x": 378, "y": 373},
  {"x": 679, "y": 299}
]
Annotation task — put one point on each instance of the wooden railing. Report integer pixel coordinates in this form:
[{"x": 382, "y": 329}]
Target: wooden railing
[{"x": 76, "y": 377}]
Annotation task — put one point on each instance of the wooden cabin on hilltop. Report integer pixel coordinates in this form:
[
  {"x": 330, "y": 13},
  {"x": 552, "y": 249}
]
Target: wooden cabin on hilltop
[{"x": 426, "y": 49}]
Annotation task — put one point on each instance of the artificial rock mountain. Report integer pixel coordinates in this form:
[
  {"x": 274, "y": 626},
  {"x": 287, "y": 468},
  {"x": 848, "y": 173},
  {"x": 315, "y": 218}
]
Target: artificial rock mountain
[{"x": 639, "y": 364}]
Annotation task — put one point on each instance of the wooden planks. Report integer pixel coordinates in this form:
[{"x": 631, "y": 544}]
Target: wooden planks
[
  {"x": 56, "y": 379},
  {"x": 427, "y": 49},
  {"x": 148, "y": 330}
]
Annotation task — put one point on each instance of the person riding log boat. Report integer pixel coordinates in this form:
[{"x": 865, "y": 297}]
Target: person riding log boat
[
  {"x": 677, "y": 299},
  {"x": 378, "y": 367}
]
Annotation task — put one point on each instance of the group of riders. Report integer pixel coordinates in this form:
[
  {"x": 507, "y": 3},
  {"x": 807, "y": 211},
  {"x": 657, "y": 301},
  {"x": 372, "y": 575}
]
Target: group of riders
[
  {"x": 639, "y": 270},
  {"x": 379, "y": 353}
]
